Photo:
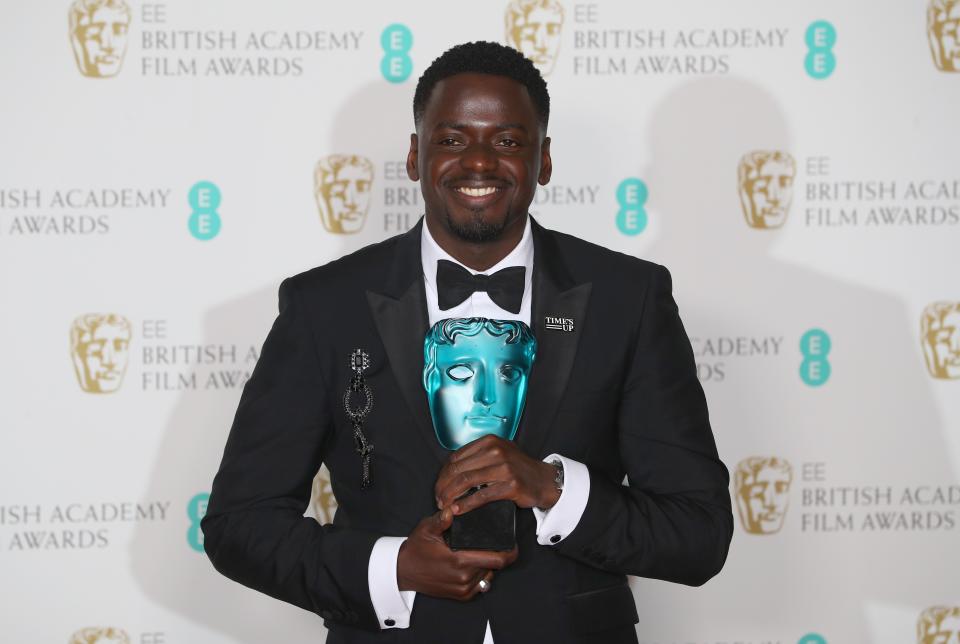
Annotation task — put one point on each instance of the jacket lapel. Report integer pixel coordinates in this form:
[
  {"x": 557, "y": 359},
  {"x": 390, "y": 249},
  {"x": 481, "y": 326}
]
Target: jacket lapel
[
  {"x": 400, "y": 315},
  {"x": 555, "y": 295}
]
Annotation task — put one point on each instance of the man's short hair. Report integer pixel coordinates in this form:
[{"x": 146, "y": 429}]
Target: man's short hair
[{"x": 483, "y": 57}]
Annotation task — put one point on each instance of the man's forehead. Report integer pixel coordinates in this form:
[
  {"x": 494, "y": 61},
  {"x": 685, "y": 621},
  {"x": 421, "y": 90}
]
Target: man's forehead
[{"x": 470, "y": 94}]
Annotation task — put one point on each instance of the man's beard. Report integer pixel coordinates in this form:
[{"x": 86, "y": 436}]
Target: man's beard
[{"x": 477, "y": 231}]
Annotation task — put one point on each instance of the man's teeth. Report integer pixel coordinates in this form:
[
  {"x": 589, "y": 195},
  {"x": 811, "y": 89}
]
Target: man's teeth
[{"x": 477, "y": 192}]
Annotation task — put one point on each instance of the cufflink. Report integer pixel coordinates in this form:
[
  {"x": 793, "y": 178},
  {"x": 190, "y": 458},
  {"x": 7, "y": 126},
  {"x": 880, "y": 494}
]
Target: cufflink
[
  {"x": 555, "y": 538},
  {"x": 389, "y": 622}
]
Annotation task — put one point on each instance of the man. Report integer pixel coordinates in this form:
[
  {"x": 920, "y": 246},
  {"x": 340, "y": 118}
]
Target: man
[{"x": 612, "y": 394}]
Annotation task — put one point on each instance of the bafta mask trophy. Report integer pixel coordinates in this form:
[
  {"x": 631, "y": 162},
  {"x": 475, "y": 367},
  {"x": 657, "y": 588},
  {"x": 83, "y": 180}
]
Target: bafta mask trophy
[{"x": 475, "y": 373}]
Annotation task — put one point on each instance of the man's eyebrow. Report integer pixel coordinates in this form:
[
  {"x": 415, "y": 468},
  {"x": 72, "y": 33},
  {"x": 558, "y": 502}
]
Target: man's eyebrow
[{"x": 450, "y": 125}]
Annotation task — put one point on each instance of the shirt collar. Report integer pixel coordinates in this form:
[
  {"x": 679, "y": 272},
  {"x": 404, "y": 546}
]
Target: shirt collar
[{"x": 431, "y": 253}]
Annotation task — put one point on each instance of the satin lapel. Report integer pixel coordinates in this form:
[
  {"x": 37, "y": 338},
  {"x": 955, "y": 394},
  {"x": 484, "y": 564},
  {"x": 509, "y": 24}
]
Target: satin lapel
[
  {"x": 400, "y": 315},
  {"x": 555, "y": 295}
]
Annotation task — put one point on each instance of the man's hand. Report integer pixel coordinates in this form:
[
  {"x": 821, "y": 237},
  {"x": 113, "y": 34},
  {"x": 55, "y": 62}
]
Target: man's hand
[
  {"x": 427, "y": 565},
  {"x": 504, "y": 471}
]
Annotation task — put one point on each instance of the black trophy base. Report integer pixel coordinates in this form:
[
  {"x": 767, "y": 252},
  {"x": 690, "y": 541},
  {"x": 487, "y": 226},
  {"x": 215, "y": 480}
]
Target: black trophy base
[{"x": 489, "y": 527}]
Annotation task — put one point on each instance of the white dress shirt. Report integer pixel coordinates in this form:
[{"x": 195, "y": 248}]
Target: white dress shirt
[{"x": 393, "y": 606}]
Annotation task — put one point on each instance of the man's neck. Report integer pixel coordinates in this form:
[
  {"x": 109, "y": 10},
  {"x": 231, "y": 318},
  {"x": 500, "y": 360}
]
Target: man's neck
[{"x": 477, "y": 256}]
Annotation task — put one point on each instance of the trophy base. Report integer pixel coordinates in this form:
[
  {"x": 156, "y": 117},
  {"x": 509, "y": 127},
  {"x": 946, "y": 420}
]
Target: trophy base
[{"x": 489, "y": 527}]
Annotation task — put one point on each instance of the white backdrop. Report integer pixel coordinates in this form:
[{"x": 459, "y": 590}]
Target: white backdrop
[{"x": 849, "y": 436}]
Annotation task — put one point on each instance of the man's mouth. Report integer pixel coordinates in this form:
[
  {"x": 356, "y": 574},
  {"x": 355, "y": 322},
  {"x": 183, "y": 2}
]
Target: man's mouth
[{"x": 477, "y": 192}]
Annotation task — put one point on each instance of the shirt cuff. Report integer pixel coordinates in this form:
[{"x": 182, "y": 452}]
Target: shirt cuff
[
  {"x": 555, "y": 524},
  {"x": 392, "y": 605}
]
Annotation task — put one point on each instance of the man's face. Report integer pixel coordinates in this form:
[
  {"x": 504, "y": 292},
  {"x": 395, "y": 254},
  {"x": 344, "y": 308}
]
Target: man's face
[
  {"x": 536, "y": 33},
  {"x": 478, "y": 387},
  {"x": 478, "y": 153},
  {"x": 947, "y": 35},
  {"x": 943, "y": 345},
  {"x": 344, "y": 197},
  {"x": 763, "y": 500},
  {"x": 947, "y": 633},
  {"x": 771, "y": 192},
  {"x": 102, "y": 41},
  {"x": 102, "y": 357}
]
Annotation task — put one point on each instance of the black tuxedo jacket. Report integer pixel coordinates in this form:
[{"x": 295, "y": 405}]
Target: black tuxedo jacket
[{"x": 619, "y": 393}]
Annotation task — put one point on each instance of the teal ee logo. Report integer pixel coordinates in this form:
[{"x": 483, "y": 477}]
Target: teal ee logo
[
  {"x": 396, "y": 41},
  {"x": 204, "y": 222},
  {"x": 632, "y": 195},
  {"x": 815, "y": 368},
  {"x": 820, "y": 61},
  {"x": 196, "y": 509},
  {"x": 812, "y": 638}
]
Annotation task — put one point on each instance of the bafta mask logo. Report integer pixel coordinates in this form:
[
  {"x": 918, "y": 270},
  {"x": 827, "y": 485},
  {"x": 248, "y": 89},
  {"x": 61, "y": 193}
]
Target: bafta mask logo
[
  {"x": 533, "y": 28},
  {"x": 765, "y": 182},
  {"x": 940, "y": 336},
  {"x": 98, "y": 34},
  {"x": 100, "y": 348},
  {"x": 475, "y": 373},
  {"x": 762, "y": 487},
  {"x": 322, "y": 501},
  {"x": 943, "y": 32},
  {"x": 100, "y": 635},
  {"x": 939, "y": 625},
  {"x": 342, "y": 185}
]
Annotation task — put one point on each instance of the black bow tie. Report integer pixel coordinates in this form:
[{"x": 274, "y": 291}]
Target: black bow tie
[{"x": 455, "y": 284}]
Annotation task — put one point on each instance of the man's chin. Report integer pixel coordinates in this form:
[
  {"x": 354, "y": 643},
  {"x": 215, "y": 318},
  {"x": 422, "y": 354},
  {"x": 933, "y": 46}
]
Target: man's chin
[{"x": 477, "y": 227}]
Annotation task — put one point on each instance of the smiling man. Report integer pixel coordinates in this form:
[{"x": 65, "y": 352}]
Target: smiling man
[{"x": 614, "y": 467}]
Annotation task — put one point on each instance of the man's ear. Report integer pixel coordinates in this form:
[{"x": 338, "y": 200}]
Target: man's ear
[
  {"x": 412, "y": 157},
  {"x": 546, "y": 163}
]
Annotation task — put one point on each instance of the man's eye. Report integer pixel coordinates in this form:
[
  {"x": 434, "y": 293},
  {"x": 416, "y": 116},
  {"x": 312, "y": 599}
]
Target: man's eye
[
  {"x": 460, "y": 372},
  {"x": 509, "y": 143},
  {"x": 448, "y": 141}
]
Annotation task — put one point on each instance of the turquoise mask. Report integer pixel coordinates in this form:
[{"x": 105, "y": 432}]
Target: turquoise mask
[{"x": 476, "y": 372}]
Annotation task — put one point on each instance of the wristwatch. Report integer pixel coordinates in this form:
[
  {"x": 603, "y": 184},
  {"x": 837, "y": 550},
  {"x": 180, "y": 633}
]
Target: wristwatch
[{"x": 558, "y": 479}]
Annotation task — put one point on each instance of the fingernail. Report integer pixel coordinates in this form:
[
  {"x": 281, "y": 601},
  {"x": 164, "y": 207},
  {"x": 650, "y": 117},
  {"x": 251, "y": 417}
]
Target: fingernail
[{"x": 455, "y": 508}]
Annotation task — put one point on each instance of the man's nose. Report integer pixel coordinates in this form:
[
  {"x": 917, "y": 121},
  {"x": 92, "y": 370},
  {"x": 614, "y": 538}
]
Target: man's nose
[{"x": 479, "y": 157}]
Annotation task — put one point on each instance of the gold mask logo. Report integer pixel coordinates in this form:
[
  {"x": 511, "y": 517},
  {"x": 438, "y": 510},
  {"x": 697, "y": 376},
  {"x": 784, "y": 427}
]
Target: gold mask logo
[
  {"x": 939, "y": 625},
  {"x": 322, "y": 501},
  {"x": 533, "y": 28},
  {"x": 342, "y": 185},
  {"x": 98, "y": 33},
  {"x": 943, "y": 32},
  {"x": 100, "y": 348},
  {"x": 940, "y": 337},
  {"x": 762, "y": 488},
  {"x": 765, "y": 183},
  {"x": 100, "y": 635}
]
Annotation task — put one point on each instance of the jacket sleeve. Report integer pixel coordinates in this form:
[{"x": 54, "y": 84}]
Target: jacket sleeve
[
  {"x": 672, "y": 520},
  {"x": 254, "y": 529}
]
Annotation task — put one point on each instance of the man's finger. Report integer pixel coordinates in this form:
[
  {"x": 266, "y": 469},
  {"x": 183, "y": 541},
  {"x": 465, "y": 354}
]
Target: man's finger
[
  {"x": 440, "y": 522},
  {"x": 460, "y": 484},
  {"x": 481, "y": 444},
  {"x": 451, "y": 472},
  {"x": 492, "y": 492},
  {"x": 486, "y": 559}
]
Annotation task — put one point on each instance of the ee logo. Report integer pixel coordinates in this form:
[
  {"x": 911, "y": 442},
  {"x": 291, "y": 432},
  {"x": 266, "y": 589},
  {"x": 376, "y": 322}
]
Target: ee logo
[
  {"x": 204, "y": 222},
  {"x": 815, "y": 368},
  {"x": 812, "y": 638},
  {"x": 396, "y": 41},
  {"x": 820, "y": 38},
  {"x": 632, "y": 195},
  {"x": 196, "y": 509}
]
